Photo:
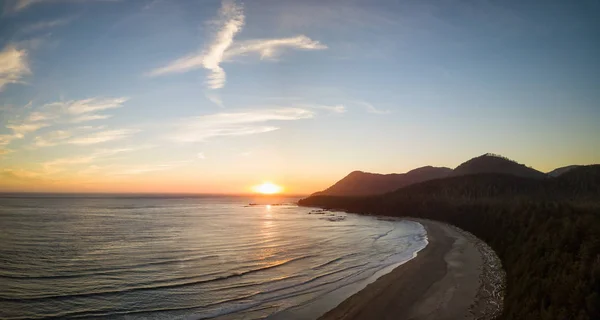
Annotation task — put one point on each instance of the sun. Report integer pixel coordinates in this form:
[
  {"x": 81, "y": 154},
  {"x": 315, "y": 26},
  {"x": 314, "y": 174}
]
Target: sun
[{"x": 267, "y": 188}]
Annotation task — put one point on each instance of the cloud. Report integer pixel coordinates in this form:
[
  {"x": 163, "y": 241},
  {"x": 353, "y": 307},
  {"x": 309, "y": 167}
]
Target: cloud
[
  {"x": 201, "y": 156},
  {"x": 90, "y": 117},
  {"x": 335, "y": 109},
  {"x": 73, "y": 111},
  {"x": 222, "y": 48},
  {"x": 39, "y": 116},
  {"x": 18, "y": 5},
  {"x": 140, "y": 169},
  {"x": 76, "y": 111},
  {"x": 371, "y": 109},
  {"x": 13, "y": 65},
  {"x": 58, "y": 165},
  {"x": 5, "y": 151},
  {"x": 51, "y": 138},
  {"x": 270, "y": 48},
  {"x": 13, "y": 6},
  {"x": 214, "y": 98},
  {"x": 236, "y": 123},
  {"x": 91, "y": 127},
  {"x": 44, "y": 25},
  {"x": 113, "y": 151},
  {"x": 19, "y": 175},
  {"x": 86, "y": 106},
  {"x": 102, "y": 136},
  {"x": 26, "y": 127},
  {"x": 6, "y": 139},
  {"x": 231, "y": 21}
]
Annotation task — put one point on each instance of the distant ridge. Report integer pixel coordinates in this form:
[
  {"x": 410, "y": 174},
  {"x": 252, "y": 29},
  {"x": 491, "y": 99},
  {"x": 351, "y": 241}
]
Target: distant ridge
[
  {"x": 359, "y": 183},
  {"x": 493, "y": 163},
  {"x": 559, "y": 171},
  {"x": 533, "y": 224}
]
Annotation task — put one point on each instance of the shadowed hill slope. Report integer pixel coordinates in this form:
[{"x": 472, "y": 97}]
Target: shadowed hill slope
[
  {"x": 545, "y": 231},
  {"x": 360, "y": 183},
  {"x": 558, "y": 171},
  {"x": 491, "y": 163}
]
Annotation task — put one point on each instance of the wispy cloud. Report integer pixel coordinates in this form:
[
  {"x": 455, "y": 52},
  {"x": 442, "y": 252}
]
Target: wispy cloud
[
  {"x": 371, "y": 108},
  {"x": 13, "y": 6},
  {"x": 5, "y": 151},
  {"x": 6, "y": 139},
  {"x": 19, "y": 175},
  {"x": 141, "y": 169},
  {"x": 79, "y": 136},
  {"x": 201, "y": 156},
  {"x": 231, "y": 21},
  {"x": 334, "y": 108},
  {"x": 214, "y": 98},
  {"x": 60, "y": 164},
  {"x": 13, "y": 65},
  {"x": 45, "y": 25},
  {"x": 52, "y": 138},
  {"x": 89, "y": 117},
  {"x": 102, "y": 136},
  {"x": 23, "y": 128},
  {"x": 91, "y": 105},
  {"x": 222, "y": 48},
  {"x": 236, "y": 123},
  {"x": 65, "y": 112},
  {"x": 271, "y": 48}
]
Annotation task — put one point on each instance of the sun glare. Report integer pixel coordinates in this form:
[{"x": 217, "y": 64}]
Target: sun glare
[{"x": 267, "y": 188}]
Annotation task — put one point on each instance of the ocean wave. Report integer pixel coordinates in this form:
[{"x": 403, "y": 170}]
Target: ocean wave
[
  {"x": 104, "y": 271},
  {"x": 151, "y": 287},
  {"x": 198, "y": 259}
]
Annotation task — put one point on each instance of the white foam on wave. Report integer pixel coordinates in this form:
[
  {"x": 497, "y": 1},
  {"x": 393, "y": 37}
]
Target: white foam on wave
[{"x": 320, "y": 305}]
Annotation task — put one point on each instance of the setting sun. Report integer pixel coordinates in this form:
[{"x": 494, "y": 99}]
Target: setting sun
[{"x": 267, "y": 188}]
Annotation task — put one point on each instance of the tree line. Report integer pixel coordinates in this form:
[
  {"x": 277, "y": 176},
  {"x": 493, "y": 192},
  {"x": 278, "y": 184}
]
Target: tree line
[{"x": 546, "y": 233}]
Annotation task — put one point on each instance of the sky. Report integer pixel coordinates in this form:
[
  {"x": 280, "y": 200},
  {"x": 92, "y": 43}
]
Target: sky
[{"x": 218, "y": 96}]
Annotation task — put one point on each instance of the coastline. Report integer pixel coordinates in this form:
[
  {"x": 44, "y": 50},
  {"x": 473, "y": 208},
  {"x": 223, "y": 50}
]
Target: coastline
[{"x": 448, "y": 279}]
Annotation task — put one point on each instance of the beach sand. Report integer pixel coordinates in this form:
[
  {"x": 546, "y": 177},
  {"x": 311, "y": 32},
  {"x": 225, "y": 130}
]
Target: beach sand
[{"x": 442, "y": 282}]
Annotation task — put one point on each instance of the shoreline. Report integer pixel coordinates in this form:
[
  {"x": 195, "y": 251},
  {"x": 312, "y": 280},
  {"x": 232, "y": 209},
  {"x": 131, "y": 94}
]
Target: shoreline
[{"x": 448, "y": 279}]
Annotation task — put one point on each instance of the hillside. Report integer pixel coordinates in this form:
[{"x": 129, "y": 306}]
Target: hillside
[
  {"x": 545, "y": 231},
  {"x": 580, "y": 185},
  {"x": 491, "y": 163},
  {"x": 558, "y": 171},
  {"x": 360, "y": 183}
]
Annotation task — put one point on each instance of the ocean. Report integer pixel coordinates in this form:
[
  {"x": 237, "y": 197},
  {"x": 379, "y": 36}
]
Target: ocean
[{"x": 188, "y": 257}]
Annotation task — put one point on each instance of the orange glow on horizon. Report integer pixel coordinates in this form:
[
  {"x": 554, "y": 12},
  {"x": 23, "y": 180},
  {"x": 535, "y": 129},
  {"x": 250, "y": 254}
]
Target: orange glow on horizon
[{"x": 267, "y": 188}]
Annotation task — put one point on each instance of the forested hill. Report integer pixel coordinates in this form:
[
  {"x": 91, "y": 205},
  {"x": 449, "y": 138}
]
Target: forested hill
[
  {"x": 491, "y": 163},
  {"x": 546, "y": 232},
  {"x": 579, "y": 184},
  {"x": 558, "y": 171},
  {"x": 359, "y": 183}
]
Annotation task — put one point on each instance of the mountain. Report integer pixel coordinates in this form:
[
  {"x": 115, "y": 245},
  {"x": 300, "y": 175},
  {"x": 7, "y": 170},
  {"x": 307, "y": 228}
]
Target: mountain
[
  {"x": 558, "y": 171},
  {"x": 532, "y": 224},
  {"x": 491, "y": 163},
  {"x": 360, "y": 183},
  {"x": 580, "y": 185}
]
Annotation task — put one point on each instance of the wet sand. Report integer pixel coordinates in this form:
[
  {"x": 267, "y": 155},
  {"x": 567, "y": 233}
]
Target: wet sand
[{"x": 442, "y": 282}]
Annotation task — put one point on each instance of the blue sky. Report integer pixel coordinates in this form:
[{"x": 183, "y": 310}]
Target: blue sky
[{"x": 215, "y": 96}]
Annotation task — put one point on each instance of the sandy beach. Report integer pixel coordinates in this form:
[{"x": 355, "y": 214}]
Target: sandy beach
[{"x": 447, "y": 280}]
